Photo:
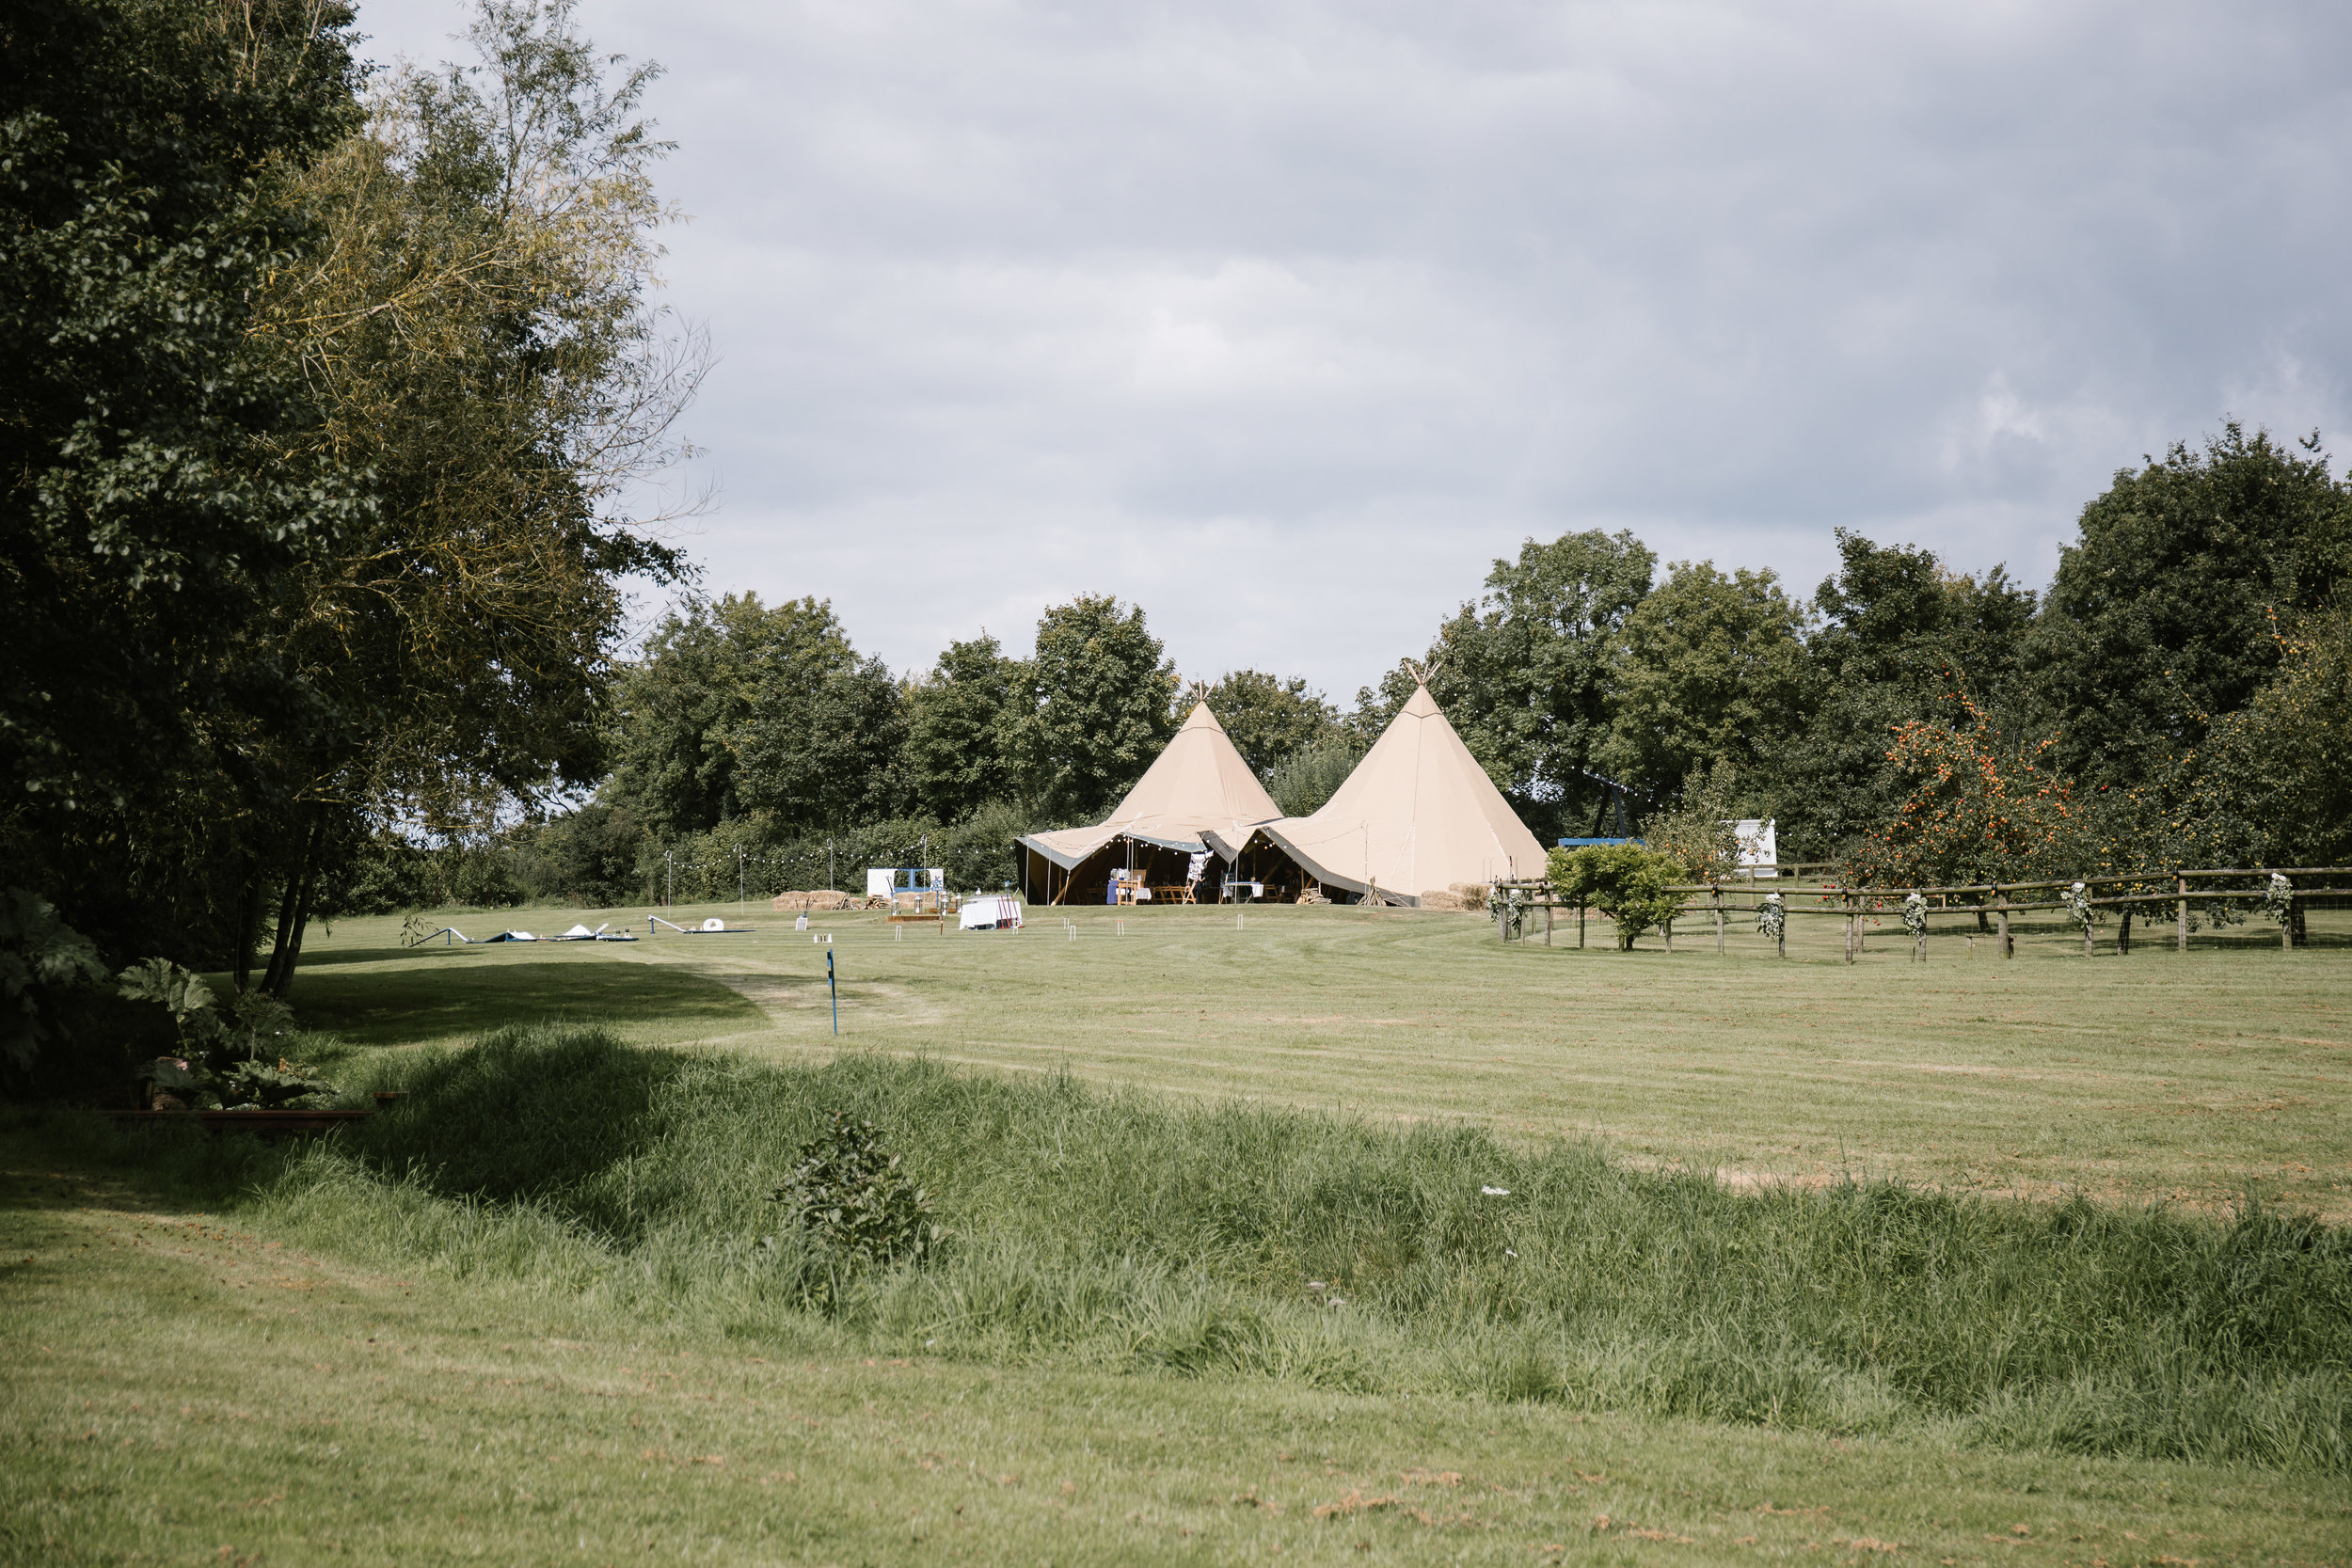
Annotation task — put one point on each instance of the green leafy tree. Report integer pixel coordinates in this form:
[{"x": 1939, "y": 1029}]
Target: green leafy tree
[
  {"x": 482, "y": 337},
  {"x": 1697, "y": 833},
  {"x": 1376, "y": 706},
  {"x": 1901, "y": 638},
  {"x": 1303, "y": 781},
  {"x": 2275, "y": 777},
  {"x": 1624, "y": 881},
  {"x": 960, "y": 723},
  {"x": 1269, "y": 719},
  {"x": 741, "y": 708},
  {"x": 150, "y": 200},
  {"x": 1100, "y": 706},
  {"x": 2160, "y": 619},
  {"x": 1524, "y": 675},
  {"x": 41, "y": 957},
  {"x": 675, "y": 707},
  {"x": 1976, "y": 804},
  {"x": 588, "y": 856},
  {"x": 1710, "y": 670},
  {"x": 820, "y": 741}
]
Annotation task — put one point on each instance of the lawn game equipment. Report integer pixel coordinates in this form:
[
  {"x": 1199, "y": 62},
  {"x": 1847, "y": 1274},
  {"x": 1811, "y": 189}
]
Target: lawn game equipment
[{"x": 714, "y": 927}]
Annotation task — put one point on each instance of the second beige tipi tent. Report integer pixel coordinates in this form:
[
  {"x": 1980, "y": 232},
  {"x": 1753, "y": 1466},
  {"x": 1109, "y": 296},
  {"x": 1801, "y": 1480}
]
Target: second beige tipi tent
[
  {"x": 1415, "y": 817},
  {"x": 1198, "y": 797}
]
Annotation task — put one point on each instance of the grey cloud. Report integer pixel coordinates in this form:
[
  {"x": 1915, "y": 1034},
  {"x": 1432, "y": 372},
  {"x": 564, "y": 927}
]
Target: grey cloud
[{"x": 1283, "y": 319}]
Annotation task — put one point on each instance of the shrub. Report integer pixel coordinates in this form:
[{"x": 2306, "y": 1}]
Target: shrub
[
  {"x": 1624, "y": 881},
  {"x": 40, "y": 955},
  {"x": 1699, "y": 835},
  {"x": 849, "y": 1194}
]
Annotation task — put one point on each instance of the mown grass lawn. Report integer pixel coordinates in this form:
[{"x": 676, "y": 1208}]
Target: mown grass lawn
[
  {"x": 215, "y": 1376},
  {"x": 184, "y": 1389},
  {"x": 2197, "y": 1079}
]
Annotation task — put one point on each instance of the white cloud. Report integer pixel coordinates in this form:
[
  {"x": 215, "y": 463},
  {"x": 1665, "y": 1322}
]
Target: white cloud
[{"x": 1284, "y": 318}]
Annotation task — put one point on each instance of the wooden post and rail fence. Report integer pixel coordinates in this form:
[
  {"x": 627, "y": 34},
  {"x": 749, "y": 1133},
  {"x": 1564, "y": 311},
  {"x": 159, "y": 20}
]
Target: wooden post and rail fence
[{"x": 1993, "y": 904}]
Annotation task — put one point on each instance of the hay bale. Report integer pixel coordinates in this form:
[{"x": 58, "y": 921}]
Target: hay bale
[{"x": 822, "y": 898}]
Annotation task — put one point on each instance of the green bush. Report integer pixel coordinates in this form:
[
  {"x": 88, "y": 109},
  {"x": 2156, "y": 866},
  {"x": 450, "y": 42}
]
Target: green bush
[
  {"x": 848, "y": 1196},
  {"x": 1624, "y": 881}
]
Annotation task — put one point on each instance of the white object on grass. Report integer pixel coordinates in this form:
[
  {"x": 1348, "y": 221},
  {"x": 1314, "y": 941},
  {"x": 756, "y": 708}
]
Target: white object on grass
[{"x": 991, "y": 913}]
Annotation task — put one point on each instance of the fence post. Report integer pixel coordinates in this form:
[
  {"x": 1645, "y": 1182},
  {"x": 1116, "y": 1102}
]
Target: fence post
[
  {"x": 2286, "y": 927},
  {"x": 1547, "y": 925},
  {"x": 2000, "y": 917},
  {"x": 1719, "y": 922},
  {"x": 1849, "y": 931},
  {"x": 1579, "y": 923},
  {"x": 1669, "y": 929},
  {"x": 2180, "y": 885}
]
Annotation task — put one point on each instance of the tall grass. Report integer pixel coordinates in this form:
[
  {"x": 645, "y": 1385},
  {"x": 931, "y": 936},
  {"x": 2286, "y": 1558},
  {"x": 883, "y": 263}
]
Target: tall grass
[{"x": 1120, "y": 1229}]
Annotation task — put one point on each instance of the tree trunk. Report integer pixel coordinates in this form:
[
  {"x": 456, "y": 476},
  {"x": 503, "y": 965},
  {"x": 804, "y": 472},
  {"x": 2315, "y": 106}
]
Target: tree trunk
[
  {"x": 293, "y": 914},
  {"x": 248, "y": 925},
  {"x": 301, "y": 925},
  {"x": 288, "y": 896}
]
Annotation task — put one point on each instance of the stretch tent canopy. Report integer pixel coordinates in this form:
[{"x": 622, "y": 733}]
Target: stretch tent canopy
[
  {"x": 1417, "y": 816},
  {"x": 1198, "y": 795}
]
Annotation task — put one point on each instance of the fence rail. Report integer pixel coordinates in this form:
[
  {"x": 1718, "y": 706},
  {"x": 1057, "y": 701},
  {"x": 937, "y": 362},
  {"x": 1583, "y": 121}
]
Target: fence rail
[{"x": 1515, "y": 900}]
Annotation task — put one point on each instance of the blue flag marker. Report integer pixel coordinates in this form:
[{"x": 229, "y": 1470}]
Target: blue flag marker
[{"x": 833, "y": 986}]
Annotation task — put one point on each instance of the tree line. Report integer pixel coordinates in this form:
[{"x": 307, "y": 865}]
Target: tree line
[{"x": 2181, "y": 690}]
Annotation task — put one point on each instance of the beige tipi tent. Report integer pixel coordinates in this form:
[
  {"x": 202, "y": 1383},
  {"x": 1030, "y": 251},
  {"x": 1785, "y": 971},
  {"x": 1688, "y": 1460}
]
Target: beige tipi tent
[
  {"x": 1417, "y": 816},
  {"x": 1198, "y": 797}
]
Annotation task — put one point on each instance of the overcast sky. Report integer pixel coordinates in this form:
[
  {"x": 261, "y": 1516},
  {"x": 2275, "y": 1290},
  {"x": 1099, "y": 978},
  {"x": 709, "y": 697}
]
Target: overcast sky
[{"x": 1283, "y": 320}]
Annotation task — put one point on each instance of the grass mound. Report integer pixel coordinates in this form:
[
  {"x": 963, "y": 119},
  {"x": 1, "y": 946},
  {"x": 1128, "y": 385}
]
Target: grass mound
[{"x": 1123, "y": 1230}]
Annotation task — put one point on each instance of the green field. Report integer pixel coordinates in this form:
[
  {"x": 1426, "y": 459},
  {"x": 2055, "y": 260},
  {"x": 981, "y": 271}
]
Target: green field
[
  {"x": 2196, "y": 1078},
  {"x": 518, "y": 1317}
]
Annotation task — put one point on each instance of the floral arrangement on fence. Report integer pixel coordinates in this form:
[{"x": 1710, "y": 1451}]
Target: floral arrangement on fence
[
  {"x": 1916, "y": 915},
  {"x": 1772, "y": 916},
  {"x": 2278, "y": 899},
  {"x": 1503, "y": 905},
  {"x": 2078, "y": 901}
]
